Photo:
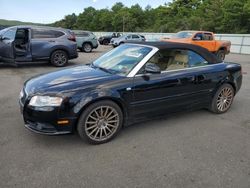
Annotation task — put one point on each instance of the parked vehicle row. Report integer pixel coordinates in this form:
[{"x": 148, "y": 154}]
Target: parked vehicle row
[{"x": 105, "y": 40}]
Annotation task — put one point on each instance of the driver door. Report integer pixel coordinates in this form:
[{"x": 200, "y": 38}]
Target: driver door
[
  {"x": 7, "y": 42},
  {"x": 175, "y": 88}
]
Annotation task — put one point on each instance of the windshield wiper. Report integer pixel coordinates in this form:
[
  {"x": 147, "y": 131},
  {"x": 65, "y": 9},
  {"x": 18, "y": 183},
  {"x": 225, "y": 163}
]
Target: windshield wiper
[{"x": 101, "y": 68}]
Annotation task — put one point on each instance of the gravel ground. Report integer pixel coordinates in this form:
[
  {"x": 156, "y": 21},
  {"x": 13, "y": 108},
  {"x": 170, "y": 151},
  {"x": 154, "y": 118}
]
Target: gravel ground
[{"x": 191, "y": 149}]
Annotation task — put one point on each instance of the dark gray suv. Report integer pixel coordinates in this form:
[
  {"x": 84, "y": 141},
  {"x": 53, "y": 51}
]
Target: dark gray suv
[{"x": 35, "y": 43}]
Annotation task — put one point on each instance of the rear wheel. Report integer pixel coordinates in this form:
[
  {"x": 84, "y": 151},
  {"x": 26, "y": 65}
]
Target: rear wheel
[
  {"x": 221, "y": 55},
  {"x": 59, "y": 58},
  {"x": 87, "y": 47},
  {"x": 100, "y": 122},
  {"x": 105, "y": 42},
  {"x": 223, "y": 99}
]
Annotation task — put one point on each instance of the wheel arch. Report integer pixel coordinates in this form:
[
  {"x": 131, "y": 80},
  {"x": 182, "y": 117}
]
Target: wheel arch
[
  {"x": 60, "y": 48},
  {"x": 227, "y": 81},
  {"x": 222, "y": 48},
  {"x": 87, "y": 42},
  {"x": 109, "y": 98}
]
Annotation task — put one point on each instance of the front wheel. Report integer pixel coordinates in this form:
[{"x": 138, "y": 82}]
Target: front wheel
[
  {"x": 59, "y": 58},
  {"x": 222, "y": 99},
  {"x": 100, "y": 122}
]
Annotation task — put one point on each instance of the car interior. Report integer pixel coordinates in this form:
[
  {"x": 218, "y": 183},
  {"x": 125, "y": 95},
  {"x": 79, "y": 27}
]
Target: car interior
[
  {"x": 203, "y": 36},
  {"x": 171, "y": 60},
  {"x": 21, "y": 42}
]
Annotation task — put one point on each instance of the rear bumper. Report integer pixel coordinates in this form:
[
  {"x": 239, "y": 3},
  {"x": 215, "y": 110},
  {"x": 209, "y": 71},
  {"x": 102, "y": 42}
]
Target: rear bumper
[
  {"x": 100, "y": 41},
  {"x": 73, "y": 56},
  {"x": 95, "y": 46}
]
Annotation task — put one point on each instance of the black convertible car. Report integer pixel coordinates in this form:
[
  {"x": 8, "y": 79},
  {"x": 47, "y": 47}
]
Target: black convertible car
[{"x": 128, "y": 84}]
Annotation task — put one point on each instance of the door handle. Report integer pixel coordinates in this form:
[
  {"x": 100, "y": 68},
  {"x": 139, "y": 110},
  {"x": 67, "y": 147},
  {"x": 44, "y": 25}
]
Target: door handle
[
  {"x": 200, "y": 78},
  {"x": 52, "y": 41}
]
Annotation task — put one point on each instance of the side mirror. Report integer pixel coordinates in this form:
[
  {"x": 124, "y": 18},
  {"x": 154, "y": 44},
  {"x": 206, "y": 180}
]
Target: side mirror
[{"x": 152, "y": 68}]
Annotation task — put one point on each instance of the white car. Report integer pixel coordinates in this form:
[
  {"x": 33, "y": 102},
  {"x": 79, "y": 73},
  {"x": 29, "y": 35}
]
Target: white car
[{"x": 129, "y": 37}]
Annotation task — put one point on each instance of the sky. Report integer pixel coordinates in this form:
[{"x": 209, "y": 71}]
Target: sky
[{"x": 49, "y": 11}]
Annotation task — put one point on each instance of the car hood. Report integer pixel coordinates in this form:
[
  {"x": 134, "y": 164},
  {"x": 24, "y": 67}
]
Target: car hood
[{"x": 67, "y": 80}]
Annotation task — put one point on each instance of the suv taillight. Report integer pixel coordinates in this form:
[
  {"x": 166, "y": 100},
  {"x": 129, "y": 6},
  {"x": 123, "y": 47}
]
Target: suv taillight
[{"x": 72, "y": 37}]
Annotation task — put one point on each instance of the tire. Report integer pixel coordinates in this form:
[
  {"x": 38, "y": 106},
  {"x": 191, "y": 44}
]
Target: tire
[
  {"x": 87, "y": 47},
  {"x": 59, "y": 58},
  {"x": 105, "y": 42},
  {"x": 222, "y": 99},
  {"x": 96, "y": 128},
  {"x": 221, "y": 55}
]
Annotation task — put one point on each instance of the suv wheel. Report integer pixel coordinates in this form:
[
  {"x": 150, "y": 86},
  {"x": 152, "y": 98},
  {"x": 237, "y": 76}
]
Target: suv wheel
[
  {"x": 59, "y": 58},
  {"x": 87, "y": 47},
  {"x": 100, "y": 122}
]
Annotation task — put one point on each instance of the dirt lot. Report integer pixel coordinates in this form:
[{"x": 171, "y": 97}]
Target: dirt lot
[{"x": 194, "y": 149}]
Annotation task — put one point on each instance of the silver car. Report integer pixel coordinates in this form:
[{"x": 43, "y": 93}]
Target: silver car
[
  {"x": 20, "y": 44},
  {"x": 128, "y": 37}
]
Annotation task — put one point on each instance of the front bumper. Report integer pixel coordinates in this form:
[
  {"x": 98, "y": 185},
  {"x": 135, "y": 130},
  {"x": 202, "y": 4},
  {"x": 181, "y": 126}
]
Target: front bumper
[
  {"x": 47, "y": 122},
  {"x": 44, "y": 129}
]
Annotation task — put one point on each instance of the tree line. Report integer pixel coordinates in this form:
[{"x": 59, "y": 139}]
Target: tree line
[{"x": 220, "y": 16}]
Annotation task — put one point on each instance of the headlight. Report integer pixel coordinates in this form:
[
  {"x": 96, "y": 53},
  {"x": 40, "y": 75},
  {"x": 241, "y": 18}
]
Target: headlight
[{"x": 42, "y": 101}]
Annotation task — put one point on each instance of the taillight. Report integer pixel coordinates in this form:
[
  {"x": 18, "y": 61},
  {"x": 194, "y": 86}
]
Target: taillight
[{"x": 72, "y": 37}]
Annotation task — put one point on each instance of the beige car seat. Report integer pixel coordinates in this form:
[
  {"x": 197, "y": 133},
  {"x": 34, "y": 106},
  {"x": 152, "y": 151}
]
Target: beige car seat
[{"x": 180, "y": 61}]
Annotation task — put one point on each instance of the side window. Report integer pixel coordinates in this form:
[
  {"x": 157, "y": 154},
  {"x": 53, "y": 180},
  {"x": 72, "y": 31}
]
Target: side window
[
  {"x": 176, "y": 59},
  {"x": 169, "y": 59},
  {"x": 43, "y": 33},
  {"x": 195, "y": 60},
  {"x": 82, "y": 34},
  {"x": 198, "y": 36},
  {"x": 207, "y": 36},
  {"x": 135, "y": 37},
  {"x": 129, "y": 37},
  {"x": 10, "y": 34}
]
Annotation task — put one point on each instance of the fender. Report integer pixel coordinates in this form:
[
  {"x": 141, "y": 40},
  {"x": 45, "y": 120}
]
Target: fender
[
  {"x": 99, "y": 94},
  {"x": 58, "y": 47}
]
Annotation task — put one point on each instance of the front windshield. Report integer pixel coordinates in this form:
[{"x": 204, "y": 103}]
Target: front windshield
[
  {"x": 183, "y": 34},
  {"x": 3, "y": 31},
  {"x": 122, "y": 59}
]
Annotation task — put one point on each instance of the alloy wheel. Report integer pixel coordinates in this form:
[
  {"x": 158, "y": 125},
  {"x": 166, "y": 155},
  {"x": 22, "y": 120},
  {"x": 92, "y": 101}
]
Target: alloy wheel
[
  {"x": 101, "y": 123},
  {"x": 225, "y": 99},
  {"x": 60, "y": 58}
]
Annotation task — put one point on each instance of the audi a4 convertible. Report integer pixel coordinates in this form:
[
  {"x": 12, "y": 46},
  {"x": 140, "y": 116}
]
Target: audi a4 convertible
[{"x": 131, "y": 83}]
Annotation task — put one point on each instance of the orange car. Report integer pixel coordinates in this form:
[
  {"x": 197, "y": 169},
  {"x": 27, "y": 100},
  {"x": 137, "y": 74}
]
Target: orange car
[{"x": 204, "y": 39}]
